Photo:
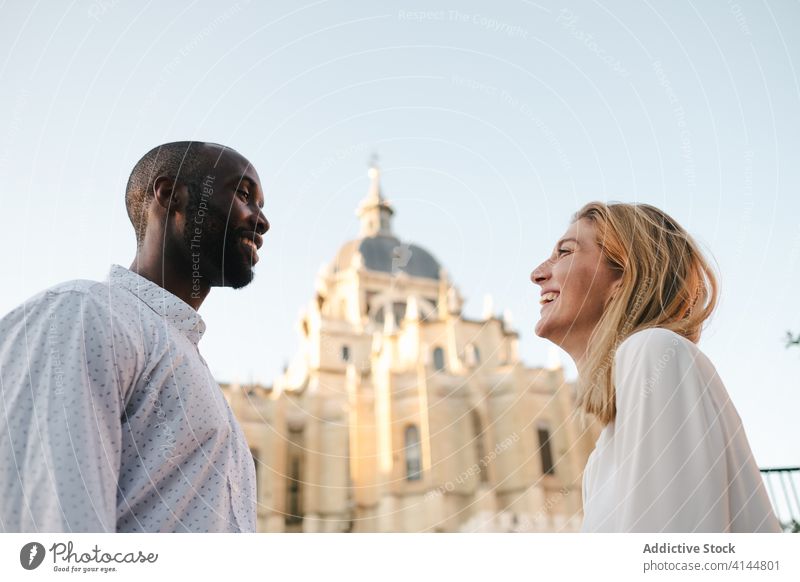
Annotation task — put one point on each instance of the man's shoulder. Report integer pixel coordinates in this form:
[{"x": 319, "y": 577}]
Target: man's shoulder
[
  {"x": 84, "y": 292},
  {"x": 64, "y": 300},
  {"x": 76, "y": 286}
]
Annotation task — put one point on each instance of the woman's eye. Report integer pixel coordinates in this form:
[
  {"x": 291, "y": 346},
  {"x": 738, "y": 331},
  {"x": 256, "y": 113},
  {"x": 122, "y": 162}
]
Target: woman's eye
[{"x": 562, "y": 252}]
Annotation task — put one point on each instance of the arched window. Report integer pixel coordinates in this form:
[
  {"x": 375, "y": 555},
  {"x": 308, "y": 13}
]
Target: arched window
[
  {"x": 480, "y": 450},
  {"x": 294, "y": 479},
  {"x": 399, "y": 311},
  {"x": 472, "y": 356},
  {"x": 413, "y": 454},
  {"x": 548, "y": 468},
  {"x": 345, "y": 353},
  {"x": 294, "y": 515},
  {"x": 438, "y": 359}
]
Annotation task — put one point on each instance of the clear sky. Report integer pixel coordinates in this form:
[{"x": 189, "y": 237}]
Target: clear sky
[{"x": 494, "y": 122}]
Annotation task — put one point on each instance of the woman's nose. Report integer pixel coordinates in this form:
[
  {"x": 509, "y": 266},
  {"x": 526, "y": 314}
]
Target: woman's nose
[{"x": 540, "y": 274}]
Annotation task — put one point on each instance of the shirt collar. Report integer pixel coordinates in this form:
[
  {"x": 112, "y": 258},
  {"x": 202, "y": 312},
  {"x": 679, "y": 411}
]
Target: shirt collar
[{"x": 169, "y": 306}]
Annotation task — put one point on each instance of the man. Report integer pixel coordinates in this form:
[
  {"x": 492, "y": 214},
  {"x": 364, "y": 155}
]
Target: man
[{"x": 110, "y": 418}]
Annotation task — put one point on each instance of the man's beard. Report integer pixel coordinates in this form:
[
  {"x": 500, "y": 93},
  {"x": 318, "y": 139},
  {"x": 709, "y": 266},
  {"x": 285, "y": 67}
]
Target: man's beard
[{"x": 216, "y": 252}]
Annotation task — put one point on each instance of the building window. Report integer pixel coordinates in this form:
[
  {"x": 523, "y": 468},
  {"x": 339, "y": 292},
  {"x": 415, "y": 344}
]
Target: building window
[
  {"x": 548, "y": 468},
  {"x": 294, "y": 479},
  {"x": 370, "y": 295},
  {"x": 399, "y": 311},
  {"x": 438, "y": 359},
  {"x": 294, "y": 514},
  {"x": 480, "y": 450},
  {"x": 345, "y": 353},
  {"x": 413, "y": 454},
  {"x": 472, "y": 355},
  {"x": 430, "y": 314}
]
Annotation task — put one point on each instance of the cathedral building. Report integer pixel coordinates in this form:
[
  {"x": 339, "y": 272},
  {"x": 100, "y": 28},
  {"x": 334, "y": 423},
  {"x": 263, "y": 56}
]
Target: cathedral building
[{"x": 399, "y": 414}]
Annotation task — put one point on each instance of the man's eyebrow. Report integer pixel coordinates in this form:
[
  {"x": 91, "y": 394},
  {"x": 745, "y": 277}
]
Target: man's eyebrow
[
  {"x": 252, "y": 184},
  {"x": 246, "y": 178}
]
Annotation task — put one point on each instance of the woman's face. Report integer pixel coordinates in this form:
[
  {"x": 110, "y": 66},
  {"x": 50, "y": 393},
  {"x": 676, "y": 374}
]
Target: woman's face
[{"x": 576, "y": 282}]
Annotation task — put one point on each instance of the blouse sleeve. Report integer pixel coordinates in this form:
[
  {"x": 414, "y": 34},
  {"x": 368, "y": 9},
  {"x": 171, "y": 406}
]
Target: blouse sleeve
[{"x": 669, "y": 444}]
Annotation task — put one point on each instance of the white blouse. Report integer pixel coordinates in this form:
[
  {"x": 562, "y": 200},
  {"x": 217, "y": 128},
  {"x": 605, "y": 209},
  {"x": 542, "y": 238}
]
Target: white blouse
[{"x": 676, "y": 458}]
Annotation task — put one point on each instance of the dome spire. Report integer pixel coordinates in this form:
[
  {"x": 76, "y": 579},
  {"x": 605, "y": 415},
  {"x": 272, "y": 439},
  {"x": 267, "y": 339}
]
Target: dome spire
[
  {"x": 375, "y": 195},
  {"x": 374, "y": 211}
]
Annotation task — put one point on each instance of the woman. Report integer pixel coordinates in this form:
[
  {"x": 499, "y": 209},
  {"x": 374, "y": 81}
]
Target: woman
[{"x": 625, "y": 293}]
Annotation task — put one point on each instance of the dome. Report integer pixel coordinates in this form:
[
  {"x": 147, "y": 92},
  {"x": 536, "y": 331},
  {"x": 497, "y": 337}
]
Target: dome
[
  {"x": 387, "y": 254},
  {"x": 378, "y": 249}
]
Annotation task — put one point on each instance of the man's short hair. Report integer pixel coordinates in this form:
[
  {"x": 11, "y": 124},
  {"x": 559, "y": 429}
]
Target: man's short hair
[{"x": 180, "y": 160}]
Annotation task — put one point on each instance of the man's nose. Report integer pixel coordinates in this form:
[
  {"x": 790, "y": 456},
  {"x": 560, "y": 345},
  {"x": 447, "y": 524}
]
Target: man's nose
[{"x": 262, "y": 224}]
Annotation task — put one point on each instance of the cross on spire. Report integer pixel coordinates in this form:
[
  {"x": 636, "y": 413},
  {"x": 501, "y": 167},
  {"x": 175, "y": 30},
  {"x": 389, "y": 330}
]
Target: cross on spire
[{"x": 374, "y": 211}]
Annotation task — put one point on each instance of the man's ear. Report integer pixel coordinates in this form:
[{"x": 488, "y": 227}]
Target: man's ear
[{"x": 168, "y": 194}]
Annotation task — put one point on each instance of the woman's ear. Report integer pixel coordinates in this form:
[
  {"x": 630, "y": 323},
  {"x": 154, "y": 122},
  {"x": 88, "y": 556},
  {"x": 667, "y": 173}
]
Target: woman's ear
[{"x": 614, "y": 289}]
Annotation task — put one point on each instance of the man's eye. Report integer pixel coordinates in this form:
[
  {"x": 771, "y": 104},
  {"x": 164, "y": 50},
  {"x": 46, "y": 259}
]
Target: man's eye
[{"x": 243, "y": 194}]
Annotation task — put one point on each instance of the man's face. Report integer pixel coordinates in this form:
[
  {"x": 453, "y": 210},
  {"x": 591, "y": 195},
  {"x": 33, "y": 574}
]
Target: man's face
[{"x": 224, "y": 222}]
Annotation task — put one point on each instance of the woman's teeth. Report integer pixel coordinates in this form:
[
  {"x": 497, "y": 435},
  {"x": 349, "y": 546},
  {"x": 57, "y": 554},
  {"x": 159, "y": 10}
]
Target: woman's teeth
[{"x": 547, "y": 298}]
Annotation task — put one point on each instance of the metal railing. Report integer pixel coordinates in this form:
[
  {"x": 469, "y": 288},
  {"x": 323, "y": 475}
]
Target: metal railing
[{"x": 782, "y": 485}]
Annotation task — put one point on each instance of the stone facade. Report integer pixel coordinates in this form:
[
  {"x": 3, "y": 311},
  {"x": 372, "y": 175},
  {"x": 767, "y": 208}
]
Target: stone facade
[{"x": 398, "y": 414}]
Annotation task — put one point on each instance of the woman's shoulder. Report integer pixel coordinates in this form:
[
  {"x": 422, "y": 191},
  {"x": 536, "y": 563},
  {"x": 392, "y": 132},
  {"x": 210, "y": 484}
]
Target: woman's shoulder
[
  {"x": 657, "y": 356},
  {"x": 655, "y": 340}
]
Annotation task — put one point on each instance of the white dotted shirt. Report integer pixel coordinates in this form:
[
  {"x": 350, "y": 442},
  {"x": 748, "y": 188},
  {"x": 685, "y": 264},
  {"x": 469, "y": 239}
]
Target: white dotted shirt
[{"x": 110, "y": 419}]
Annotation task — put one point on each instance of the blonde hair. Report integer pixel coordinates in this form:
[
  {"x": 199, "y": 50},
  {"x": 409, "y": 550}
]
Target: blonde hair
[{"x": 665, "y": 282}]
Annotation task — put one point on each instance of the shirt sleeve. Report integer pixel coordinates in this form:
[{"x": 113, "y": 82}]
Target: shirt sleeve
[
  {"x": 669, "y": 445},
  {"x": 62, "y": 404}
]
